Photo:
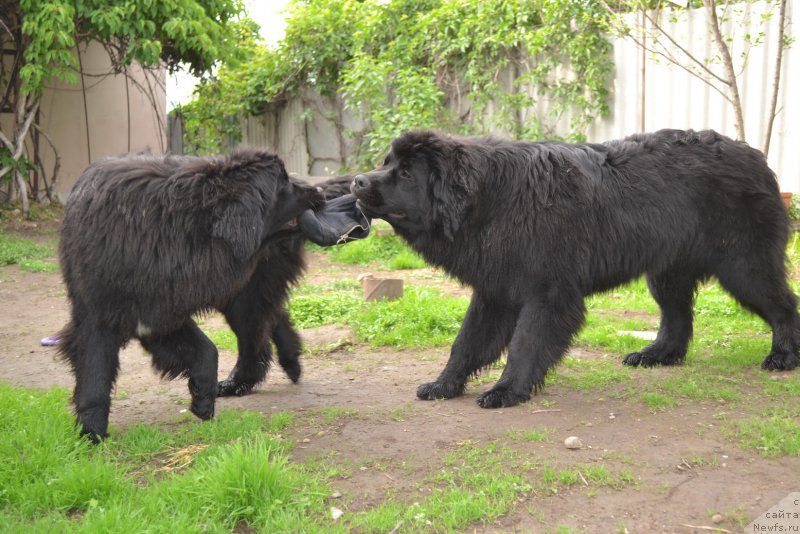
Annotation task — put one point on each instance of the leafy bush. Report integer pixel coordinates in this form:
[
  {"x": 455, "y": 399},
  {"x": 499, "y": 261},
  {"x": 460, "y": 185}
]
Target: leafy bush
[{"x": 401, "y": 64}]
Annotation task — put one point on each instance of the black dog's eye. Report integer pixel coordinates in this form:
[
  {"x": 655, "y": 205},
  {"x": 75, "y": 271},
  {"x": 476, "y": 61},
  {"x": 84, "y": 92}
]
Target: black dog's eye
[{"x": 405, "y": 174}]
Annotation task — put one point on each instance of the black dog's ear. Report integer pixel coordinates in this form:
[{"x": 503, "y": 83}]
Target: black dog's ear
[
  {"x": 451, "y": 188},
  {"x": 239, "y": 225}
]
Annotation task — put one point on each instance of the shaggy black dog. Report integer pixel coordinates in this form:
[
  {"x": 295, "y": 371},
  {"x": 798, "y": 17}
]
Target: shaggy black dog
[
  {"x": 536, "y": 227},
  {"x": 147, "y": 241},
  {"x": 278, "y": 271}
]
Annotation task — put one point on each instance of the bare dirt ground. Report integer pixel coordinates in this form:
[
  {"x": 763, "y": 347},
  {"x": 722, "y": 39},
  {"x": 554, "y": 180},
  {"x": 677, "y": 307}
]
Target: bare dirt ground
[{"x": 394, "y": 441}]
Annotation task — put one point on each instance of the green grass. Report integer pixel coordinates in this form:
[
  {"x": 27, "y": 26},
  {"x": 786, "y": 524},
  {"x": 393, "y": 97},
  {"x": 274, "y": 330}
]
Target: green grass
[
  {"x": 407, "y": 259},
  {"x": 593, "y": 476},
  {"x": 223, "y": 338},
  {"x": 658, "y": 402},
  {"x": 474, "y": 486},
  {"x": 312, "y": 306},
  {"x": 534, "y": 436},
  {"x": 19, "y": 250},
  {"x": 192, "y": 477},
  {"x": 423, "y": 317},
  {"x": 776, "y": 433},
  {"x": 378, "y": 248},
  {"x": 33, "y": 265},
  {"x": 590, "y": 373}
]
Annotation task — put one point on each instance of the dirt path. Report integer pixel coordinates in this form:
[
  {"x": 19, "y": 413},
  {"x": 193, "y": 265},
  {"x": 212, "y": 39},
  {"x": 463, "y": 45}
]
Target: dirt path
[{"x": 684, "y": 470}]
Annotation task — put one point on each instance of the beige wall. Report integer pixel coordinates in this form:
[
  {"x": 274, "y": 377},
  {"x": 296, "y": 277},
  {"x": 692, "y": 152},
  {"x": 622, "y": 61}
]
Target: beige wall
[{"x": 119, "y": 115}]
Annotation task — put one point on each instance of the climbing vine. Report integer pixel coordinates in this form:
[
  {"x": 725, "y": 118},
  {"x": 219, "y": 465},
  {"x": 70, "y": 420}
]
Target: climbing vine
[
  {"x": 41, "y": 37},
  {"x": 529, "y": 68}
]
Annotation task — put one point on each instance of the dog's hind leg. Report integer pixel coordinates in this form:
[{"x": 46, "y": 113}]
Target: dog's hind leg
[
  {"x": 485, "y": 332},
  {"x": 674, "y": 291},
  {"x": 250, "y": 317},
  {"x": 759, "y": 284},
  {"x": 187, "y": 351},
  {"x": 93, "y": 353},
  {"x": 288, "y": 344},
  {"x": 542, "y": 335}
]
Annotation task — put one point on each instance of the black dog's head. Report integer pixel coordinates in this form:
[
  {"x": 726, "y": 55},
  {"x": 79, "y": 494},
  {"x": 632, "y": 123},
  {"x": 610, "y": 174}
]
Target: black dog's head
[
  {"x": 422, "y": 188},
  {"x": 292, "y": 199},
  {"x": 259, "y": 202}
]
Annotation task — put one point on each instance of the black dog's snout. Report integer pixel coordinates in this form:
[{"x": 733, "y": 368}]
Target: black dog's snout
[{"x": 360, "y": 182}]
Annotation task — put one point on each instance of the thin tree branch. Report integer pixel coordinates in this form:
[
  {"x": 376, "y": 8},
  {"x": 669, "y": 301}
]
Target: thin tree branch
[
  {"x": 56, "y": 165},
  {"x": 727, "y": 65},
  {"x": 23, "y": 132},
  {"x": 9, "y": 145},
  {"x": 664, "y": 54},
  {"x": 22, "y": 189},
  {"x": 776, "y": 80},
  {"x": 688, "y": 54}
]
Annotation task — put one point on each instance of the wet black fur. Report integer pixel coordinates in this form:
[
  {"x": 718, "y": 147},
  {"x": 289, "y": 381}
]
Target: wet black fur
[
  {"x": 536, "y": 227},
  {"x": 147, "y": 241}
]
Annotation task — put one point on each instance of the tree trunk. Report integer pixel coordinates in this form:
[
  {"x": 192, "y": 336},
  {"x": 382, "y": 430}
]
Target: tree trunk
[
  {"x": 25, "y": 113},
  {"x": 727, "y": 65},
  {"x": 776, "y": 80}
]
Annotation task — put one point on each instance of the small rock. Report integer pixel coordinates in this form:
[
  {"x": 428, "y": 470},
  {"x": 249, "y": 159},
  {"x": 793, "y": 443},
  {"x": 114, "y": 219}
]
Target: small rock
[
  {"x": 336, "y": 495},
  {"x": 612, "y": 416},
  {"x": 306, "y": 440},
  {"x": 573, "y": 442},
  {"x": 363, "y": 468},
  {"x": 320, "y": 433},
  {"x": 336, "y": 513},
  {"x": 716, "y": 519}
]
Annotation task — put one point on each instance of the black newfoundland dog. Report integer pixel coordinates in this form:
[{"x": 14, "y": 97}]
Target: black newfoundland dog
[
  {"x": 279, "y": 269},
  {"x": 536, "y": 227},
  {"x": 147, "y": 241}
]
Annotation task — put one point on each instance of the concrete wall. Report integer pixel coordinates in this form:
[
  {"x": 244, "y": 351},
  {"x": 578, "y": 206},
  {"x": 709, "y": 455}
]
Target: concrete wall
[
  {"x": 310, "y": 131},
  {"x": 116, "y": 115}
]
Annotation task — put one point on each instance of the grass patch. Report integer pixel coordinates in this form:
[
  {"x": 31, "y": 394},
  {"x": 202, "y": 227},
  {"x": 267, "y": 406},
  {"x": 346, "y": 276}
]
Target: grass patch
[
  {"x": 421, "y": 318},
  {"x": 37, "y": 266},
  {"x": 217, "y": 476},
  {"x": 533, "y": 436},
  {"x": 773, "y": 434},
  {"x": 658, "y": 402},
  {"x": 474, "y": 486},
  {"x": 694, "y": 383},
  {"x": 402, "y": 413},
  {"x": 19, "y": 250},
  {"x": 223, "y": 338},
  {"x": 775, "y": 385},
  {"x": 593, "y": 476},
  {"x": 389, "y": 249},
  {"x": 590, "y": 373},
  {"x": 331, "y": 307}
]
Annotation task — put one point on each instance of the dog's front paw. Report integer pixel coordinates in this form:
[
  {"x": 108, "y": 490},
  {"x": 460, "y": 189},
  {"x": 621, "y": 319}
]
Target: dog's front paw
[
  {"x": 652, "y": 357},
  {"x": 94, "y": 436},
  {"x": 780, "y": 361},
  {"x": 203, "y": 408},
  {"x": 645, "y": 359},
  {"x": 439, "y": 390},
  {"x": 501, "y": 398},
  {"x": 230, "y": 388}
]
